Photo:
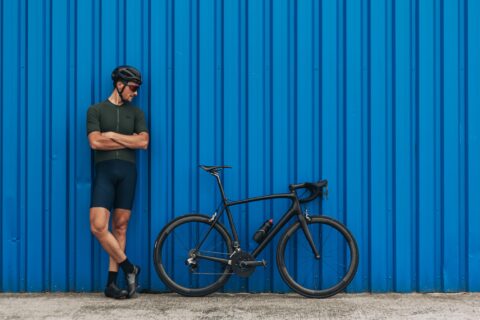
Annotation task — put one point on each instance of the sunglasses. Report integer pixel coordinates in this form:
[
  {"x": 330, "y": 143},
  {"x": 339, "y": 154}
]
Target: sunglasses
[{"x": 133, "y": 87}]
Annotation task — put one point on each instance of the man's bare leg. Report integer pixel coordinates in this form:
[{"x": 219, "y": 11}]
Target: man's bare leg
[
  {"x": 119, "y": 231},
  {"x": 99, "y": 218}
]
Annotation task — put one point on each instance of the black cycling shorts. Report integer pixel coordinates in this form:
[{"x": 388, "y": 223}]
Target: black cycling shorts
[{"x": 114, "y": 185}]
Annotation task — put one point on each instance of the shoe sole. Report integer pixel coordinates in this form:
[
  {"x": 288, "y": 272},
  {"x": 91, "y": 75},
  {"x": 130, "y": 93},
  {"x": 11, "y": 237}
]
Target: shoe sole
[{"x": 117, "y": 298}]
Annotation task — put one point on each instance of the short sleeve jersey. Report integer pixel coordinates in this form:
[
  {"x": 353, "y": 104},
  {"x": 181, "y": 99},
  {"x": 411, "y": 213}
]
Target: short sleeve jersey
[{"x": 125, "y": 119}]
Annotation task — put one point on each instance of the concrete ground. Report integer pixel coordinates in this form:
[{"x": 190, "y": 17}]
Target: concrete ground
[{"x": 240, "y": 306}]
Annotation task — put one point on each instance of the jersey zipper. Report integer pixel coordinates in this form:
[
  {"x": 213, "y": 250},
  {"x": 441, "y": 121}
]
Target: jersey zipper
[{"x": 118, "y": 128}]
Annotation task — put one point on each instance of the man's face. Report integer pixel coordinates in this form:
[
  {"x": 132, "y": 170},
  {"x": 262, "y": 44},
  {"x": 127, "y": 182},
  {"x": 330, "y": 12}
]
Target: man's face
[{"x": 130, "y": 91}]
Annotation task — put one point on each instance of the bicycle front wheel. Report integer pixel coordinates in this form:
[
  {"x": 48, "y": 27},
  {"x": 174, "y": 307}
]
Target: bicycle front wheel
[
  {"x": 318, "y": 277},
  {"x": 178, "y": 261}
]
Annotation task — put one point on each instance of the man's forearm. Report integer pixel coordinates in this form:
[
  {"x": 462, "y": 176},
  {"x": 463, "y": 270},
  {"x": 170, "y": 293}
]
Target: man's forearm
[
  {"x": 136, "y": 141},
  {"x": 104, "y": 143}
]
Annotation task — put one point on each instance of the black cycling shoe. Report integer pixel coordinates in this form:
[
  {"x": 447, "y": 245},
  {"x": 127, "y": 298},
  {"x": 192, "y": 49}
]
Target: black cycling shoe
[
  {"x": 132, "y": 281},
  {"x": 112, "y": 291}
]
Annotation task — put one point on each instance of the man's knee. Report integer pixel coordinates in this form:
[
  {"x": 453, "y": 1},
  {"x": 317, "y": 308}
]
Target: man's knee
[
  {"x": 98, "y": 230},
  {"x": 119, "y": 226},
  {"x": 99, "y": 222},
  {"x": 120, "y": 221}
]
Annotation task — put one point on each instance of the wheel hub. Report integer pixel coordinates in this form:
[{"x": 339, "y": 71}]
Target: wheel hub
[{"x": 191, "y": 261}]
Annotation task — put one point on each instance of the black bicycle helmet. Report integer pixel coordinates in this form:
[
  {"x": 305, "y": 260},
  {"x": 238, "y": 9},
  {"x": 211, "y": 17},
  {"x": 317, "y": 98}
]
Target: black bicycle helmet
[{"x": 126, "y": 74}]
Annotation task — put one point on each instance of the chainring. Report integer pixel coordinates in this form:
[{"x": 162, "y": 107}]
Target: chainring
[{"x": 237, "y": 267}]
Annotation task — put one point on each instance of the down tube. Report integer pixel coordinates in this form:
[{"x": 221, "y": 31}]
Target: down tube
[{"x": 294, "y": 209}]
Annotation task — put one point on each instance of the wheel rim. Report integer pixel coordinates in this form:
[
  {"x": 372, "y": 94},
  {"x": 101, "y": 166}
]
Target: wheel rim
[{"x": 319, "y": 277}]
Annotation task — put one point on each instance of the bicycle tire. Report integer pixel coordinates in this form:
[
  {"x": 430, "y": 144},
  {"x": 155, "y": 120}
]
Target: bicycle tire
[
  {"x": 337, "y": 246},
  {"x": 172, "y": 248}
]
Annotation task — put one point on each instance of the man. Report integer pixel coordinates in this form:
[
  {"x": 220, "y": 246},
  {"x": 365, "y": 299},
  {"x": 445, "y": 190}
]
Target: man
[{"x": 115, "y": 129}]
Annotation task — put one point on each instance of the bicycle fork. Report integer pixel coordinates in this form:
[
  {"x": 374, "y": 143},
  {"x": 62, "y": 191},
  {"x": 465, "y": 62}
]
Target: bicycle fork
[{"x": 308, "y": 235}]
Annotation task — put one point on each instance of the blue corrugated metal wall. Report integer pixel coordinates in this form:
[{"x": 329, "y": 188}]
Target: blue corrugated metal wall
[{"x": 380, "y": 97}]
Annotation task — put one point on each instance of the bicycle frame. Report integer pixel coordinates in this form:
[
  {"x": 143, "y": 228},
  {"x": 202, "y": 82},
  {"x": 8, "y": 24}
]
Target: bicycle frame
[{"x": 292, "y": 211}]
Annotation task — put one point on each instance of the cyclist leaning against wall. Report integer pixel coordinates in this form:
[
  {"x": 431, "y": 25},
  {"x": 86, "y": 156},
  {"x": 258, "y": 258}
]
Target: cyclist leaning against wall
[{"x": 115, "y": 129}]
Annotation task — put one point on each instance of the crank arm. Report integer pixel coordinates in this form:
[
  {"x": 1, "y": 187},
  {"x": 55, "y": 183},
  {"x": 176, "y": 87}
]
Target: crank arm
[{"x": 262, "y": 263}]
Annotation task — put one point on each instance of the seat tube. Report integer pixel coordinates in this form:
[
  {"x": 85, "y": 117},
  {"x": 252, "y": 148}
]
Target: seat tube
[
  {"x": 227, "y": 209},
  {"x": 220, "y": 186}
]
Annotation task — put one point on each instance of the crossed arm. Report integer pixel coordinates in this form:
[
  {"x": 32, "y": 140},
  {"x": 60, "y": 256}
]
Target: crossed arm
[{"x": 116, "y": 141}]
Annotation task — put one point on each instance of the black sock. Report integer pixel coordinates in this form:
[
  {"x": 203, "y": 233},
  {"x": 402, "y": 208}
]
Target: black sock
[
  {"x": 112, "y": 277},
  {"x": 126, "y": 266}
]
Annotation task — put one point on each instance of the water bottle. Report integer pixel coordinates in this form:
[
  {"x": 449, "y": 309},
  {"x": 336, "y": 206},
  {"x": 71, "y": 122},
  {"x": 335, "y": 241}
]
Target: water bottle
[{"x": 262, "y": 232}]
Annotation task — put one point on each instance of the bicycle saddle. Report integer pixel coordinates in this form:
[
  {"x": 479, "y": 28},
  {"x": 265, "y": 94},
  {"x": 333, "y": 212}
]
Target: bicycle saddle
[{"x": 212, "y": 169}]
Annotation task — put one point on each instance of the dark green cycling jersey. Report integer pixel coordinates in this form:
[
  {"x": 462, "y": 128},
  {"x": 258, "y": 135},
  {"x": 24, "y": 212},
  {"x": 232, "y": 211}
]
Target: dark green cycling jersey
[{"x": 125, "y": 119}]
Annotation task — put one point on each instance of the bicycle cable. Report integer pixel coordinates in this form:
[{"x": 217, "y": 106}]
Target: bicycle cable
[{"x": 207, "y": 273}]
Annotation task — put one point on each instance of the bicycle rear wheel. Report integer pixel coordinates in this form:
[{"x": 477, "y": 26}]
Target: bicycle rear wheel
[
  {"x": 177, "y": 262},
  {"x": 323, "y": 277}
]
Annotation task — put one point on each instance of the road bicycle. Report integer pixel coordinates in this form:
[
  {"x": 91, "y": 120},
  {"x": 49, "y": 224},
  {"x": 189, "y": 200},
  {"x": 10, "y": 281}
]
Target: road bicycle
[{"x": 317, "y": 256}]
